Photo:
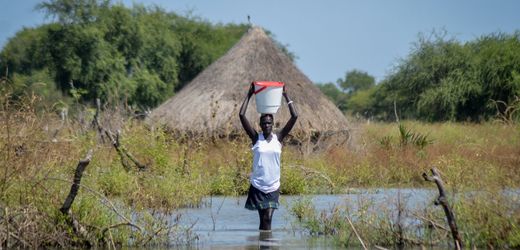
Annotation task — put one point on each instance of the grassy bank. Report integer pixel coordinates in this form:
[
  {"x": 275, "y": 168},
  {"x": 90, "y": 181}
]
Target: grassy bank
[
  {"x": 40, "y": 151},
  {"x": 478, "y": 162},
  {"x": 464, "y": 153}
]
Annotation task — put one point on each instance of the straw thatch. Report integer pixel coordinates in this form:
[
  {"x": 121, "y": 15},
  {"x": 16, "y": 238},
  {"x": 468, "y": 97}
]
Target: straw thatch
[{"x": 210, "y": 103}]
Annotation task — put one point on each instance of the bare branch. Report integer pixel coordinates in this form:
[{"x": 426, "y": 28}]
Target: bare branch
[
  {"x": 443, "y": 201},
  {"x": 308, "y": 171},
  {"x": 355, "y": 232},
  {"x": 123, "y": 153},
  {"x": 119, "y": 225},
  {"x": 82, "y": 164},
  {"x": 433, "y": 223},
  {"x": 110, "y": 204}
]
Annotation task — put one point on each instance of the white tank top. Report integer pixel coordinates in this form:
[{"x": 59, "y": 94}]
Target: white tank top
[{"x": 266, "y": 164}]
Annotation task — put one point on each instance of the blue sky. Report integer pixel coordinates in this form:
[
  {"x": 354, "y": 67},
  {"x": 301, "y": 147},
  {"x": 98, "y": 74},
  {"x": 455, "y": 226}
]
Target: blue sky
[{"x": 329, "y": 37}]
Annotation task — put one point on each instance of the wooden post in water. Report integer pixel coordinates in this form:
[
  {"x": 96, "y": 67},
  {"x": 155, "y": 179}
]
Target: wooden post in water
[{"x": 443, "y": 201}]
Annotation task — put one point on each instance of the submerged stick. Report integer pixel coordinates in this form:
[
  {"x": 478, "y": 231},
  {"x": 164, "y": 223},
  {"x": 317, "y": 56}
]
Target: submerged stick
[{"x": 443, "y": 201}]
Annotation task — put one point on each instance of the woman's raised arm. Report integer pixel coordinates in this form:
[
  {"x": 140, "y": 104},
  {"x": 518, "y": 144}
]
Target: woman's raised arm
[
  {"x": 245, "y": 123},
  {"x": 294, "y": 116}
]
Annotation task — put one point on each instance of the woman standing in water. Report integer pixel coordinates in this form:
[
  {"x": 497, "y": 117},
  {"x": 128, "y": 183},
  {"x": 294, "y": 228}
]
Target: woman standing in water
[{"x": 264, "y": 190}]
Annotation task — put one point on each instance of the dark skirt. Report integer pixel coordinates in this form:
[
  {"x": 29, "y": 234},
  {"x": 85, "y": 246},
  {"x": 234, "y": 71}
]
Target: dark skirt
[{"x": 257, "y": 200}]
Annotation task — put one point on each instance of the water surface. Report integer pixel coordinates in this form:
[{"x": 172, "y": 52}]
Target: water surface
[{"x": 223, "y": 222}]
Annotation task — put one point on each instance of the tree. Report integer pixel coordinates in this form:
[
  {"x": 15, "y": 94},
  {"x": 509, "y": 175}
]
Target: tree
[
  {"x": 356, "y": 80},
  {"x": 334, "y": 94},
  {"x": 96, "y": 49},
  {"x": 443, "y": 79},
  {"x": 73, "y": 11}
]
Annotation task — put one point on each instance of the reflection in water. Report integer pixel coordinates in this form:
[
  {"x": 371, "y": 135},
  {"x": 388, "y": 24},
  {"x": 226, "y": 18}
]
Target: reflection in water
[
  {"x": 266, "y": 240},
  {"x": 263, "y": 240}
]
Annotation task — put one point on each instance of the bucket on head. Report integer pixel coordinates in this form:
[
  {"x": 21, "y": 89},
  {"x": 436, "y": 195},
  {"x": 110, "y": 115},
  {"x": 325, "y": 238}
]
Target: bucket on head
[{"x": 268, "y": 96}]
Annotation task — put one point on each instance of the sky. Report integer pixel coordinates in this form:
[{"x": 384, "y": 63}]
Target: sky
[{"x": 329, "y": 37}]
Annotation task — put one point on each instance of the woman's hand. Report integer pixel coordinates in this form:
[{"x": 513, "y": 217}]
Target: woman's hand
[{"x": 251, "y": 90}]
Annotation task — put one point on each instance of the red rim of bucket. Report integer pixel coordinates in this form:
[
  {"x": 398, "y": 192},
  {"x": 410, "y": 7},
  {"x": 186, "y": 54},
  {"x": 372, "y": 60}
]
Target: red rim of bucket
[{"x": 266, "y": 84}]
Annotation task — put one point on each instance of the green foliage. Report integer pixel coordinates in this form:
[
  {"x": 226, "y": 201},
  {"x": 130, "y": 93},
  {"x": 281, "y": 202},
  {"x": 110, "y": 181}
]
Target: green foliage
[
  {"x": 334, "y": 94},
  {"x": 386, "y": 141},
  {"x": 136, "y": 56},
  {"x": 330, "y": 90},
  {"x": 20, "y": 53},
  {"x": 39, "y": 83},
  {"x": 293, "y": 181},
  {"x": 116, "y": 182},
  {"x": 360, "y": 101},
  {"x": 374, "y": 229},
  {"x": 407, "y": 136},
  {"x": 73, "y": 11},
  {"x": 305, "y": 213},
  {"x": 202, "y": 43},
  {"x": 229, "y": 181},
  {"x": 442, "y": 79},
  {"x": 485, "y": 218},
  {"x": 494, "y": 222},
  {"x": 356, "y": 80},
  {"x": 149, "y": 89},
  {"x": 355, "y": 93}
]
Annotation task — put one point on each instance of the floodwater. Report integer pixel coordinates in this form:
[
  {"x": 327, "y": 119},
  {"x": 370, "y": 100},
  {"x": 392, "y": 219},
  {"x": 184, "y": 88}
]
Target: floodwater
[{"x": 223, "y": 222}]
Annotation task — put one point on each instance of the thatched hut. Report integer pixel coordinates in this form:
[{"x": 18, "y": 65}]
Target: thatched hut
[{"x": 210, "y": 103}]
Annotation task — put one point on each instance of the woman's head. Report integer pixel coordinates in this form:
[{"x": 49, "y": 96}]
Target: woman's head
[{"x": 266, "y": 123}]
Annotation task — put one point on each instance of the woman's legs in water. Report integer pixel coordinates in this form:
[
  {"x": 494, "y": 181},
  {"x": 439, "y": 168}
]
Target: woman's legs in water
[{"x": 266, "y": 216}]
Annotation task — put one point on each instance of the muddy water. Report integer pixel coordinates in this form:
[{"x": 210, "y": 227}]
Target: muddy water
[{"x": 223, "y": 222}]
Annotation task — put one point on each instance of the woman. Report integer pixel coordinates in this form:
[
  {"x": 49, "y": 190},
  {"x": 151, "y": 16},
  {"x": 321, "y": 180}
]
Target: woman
[{"x": 265, "y": 179}]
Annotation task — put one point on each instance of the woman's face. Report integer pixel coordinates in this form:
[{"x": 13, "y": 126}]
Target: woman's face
[{"x": 266, "y": 123}]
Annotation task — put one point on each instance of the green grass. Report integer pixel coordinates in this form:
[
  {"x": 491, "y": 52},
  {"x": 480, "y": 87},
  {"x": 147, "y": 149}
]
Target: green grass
[{"x": 36, "y": 170}]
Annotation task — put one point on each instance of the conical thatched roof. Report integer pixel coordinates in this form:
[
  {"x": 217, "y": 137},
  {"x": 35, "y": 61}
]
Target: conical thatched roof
[{"x": 210, "y": 103}]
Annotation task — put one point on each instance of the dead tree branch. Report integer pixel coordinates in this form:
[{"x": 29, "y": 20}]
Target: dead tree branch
[
  {"x": 506, "y": 111},
  {"x": 309, "y": 172},
  {"x": 356, "y": 233},
  {"x": 65, "y": 208},
  {"x": 114, "y": 140},
  {"x": 432, "y": 223},
  {"x": 118, "y": 225},
  {"x": 443, "y": 201},
  {"x": 123, "y": 152},
  {"x": 110, "y": 204},
  {"x": 82, "y": 164},
  {"x": 95, "y": 121}
]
